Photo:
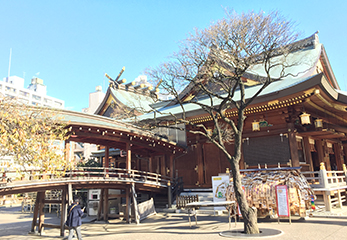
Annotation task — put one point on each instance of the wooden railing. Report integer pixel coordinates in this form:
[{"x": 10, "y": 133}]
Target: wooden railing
[
  {"x": 86, "y": 173},
  {"x": 326, "y": 179}
]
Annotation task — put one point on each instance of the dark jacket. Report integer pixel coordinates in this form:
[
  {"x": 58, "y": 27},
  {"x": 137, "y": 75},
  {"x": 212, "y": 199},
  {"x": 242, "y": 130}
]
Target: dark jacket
[{"x": 74, "y": 215}]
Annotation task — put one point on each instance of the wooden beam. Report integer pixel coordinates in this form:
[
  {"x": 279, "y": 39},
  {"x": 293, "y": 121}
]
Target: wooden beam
[
  {"x": 50, "y": 225},
  {"x": 110, "y": 196},
  {"x": 52, "y": 201}
]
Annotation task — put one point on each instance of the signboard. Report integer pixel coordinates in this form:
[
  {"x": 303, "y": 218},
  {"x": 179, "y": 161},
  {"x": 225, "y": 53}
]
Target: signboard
[
  {"x": 282, "y": 201},
  {"x": 219, "y": 187},
  {"x": 146, "y": 209}
]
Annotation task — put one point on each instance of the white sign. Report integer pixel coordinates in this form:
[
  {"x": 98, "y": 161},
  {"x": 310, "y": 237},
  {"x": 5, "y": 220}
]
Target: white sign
[
  {"x": 282, "y": 201},
  {"x": 219, "y": 187},
  {"x": 146, "y": 209}
]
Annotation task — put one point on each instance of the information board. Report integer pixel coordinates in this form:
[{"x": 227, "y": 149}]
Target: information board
[
  {"x": 219, "y": 186},
  {"x": 282, "y": 201}
]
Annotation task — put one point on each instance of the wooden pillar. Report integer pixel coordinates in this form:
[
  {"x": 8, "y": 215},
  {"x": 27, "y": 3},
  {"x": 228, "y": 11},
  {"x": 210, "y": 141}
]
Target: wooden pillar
[
  {"x": 127, "y": 203},
  {"x": 101, "y": 204},
  {"x": 157, "y": 170},
  {"x": 128, "y": 158},
  {"x": 307, "y": 151},
  {"x": 337, "y": 151},
  {"x": 326, "y": 156},
  {"x": 162, "y": 165},
  {"x": 172, "y": 170},
  {"x": 63, "y": 213},
  {"x": 138, "y": 164},
  {"x": 105, "y": 204},
  {"x": 67, "y": 151},
  {"x": 150, "y": 163},
  {"x": 133, "y": 193},
  {"x": 320, "y": 151},
  {"x": 293, "y": 145},
  {"x": 41, "y": 212},
  {"x": 69, "y": 192},
  {"x": 36, "y": 212},
  {"x": 199, "y": 161},
  {"x": 345, "y": 152},
  {"x": 107, "y": 157}
]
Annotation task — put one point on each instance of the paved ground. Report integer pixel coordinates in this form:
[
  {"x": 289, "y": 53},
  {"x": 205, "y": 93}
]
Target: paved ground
[{"x": 167, "y": 226}]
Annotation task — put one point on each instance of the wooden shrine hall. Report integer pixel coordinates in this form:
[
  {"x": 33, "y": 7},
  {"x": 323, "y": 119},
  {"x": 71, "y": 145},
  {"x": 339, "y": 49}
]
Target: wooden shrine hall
[{"x": 297, "y": 121}]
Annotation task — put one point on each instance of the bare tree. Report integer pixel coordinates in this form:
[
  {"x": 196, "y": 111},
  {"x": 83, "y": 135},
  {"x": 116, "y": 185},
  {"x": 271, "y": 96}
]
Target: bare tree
[{"x": 212, "y": 70}]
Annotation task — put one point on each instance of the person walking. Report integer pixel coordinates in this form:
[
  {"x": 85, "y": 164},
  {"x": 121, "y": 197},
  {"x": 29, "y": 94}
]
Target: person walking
[{"x": 74, "y": 221}]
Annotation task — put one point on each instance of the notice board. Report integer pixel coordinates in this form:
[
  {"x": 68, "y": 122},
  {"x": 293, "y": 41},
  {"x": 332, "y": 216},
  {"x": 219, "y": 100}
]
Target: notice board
[
  {"x": 219, "y": 186},
  {"x": 282, "y": 201}
]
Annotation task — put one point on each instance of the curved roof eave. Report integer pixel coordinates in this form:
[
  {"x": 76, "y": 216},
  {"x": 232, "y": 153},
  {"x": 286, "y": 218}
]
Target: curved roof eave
[
  {"x": 329, "y": 69},
  {"x": 91, "y": 120},
  {"x": 274, "y": 90}
]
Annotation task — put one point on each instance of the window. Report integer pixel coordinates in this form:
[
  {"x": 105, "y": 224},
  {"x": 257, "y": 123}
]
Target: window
[
  {"x": 23, "y": 93},
  {"x": 35, "y": 97},
  {"x": 48, "y": 101},
  {"x": 9, "y": 89},
  {"x": 58, "y": 104},
  {"x": 25, "y": 101}
]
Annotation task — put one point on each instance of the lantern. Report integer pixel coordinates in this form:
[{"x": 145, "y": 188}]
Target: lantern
[
  {"x": 318, "y": 123},
  {"x": 305, "y": 118},
  {"x": 255, "y": 126}
]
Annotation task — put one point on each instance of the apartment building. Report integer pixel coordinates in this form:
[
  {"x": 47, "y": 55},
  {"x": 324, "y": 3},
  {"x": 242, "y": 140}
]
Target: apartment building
[{"x": 34, "y": 94}]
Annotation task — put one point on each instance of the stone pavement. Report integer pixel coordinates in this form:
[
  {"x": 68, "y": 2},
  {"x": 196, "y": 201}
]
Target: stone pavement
[{"x": 167, "y": 226}]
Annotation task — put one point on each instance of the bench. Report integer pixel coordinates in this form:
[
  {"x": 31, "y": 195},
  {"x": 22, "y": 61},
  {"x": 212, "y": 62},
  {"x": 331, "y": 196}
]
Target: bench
[{"x": 182, "y": 201}]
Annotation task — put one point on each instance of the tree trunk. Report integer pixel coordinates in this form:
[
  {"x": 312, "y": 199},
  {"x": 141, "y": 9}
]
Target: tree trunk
[
  {"x": 249, "y": 214},
  {"x": 250, "y": 222}
]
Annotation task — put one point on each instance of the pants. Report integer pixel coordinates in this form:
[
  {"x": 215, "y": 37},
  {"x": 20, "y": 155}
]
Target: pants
[{"x": 78, "y": 232}]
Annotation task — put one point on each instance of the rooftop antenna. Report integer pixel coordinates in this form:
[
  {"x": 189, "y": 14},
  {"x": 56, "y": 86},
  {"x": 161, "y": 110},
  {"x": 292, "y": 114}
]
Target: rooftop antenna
[{"x": 9, "y": 65}]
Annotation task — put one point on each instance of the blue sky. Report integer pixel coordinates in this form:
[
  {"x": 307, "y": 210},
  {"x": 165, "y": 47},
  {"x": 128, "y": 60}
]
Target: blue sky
[{"x": 71, "y": 44}]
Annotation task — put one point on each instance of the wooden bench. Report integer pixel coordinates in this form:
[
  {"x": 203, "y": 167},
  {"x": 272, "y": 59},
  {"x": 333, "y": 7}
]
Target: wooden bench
[{"x": 182, "y": 201}]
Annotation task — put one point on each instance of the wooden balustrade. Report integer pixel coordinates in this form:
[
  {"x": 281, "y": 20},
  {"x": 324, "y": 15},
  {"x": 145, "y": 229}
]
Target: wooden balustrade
[{"x": 89, "y": 173}]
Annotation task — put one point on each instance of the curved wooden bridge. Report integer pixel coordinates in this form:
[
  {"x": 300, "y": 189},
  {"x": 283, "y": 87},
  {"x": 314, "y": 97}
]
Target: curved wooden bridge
[
  {"x": 86, "y": 178},
  {"x": 131, "y": 181}
]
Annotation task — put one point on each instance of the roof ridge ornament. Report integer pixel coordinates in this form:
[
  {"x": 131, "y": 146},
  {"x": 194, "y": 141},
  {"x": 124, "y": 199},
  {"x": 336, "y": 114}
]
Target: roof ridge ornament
[{"x": 142, "y": 88}]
